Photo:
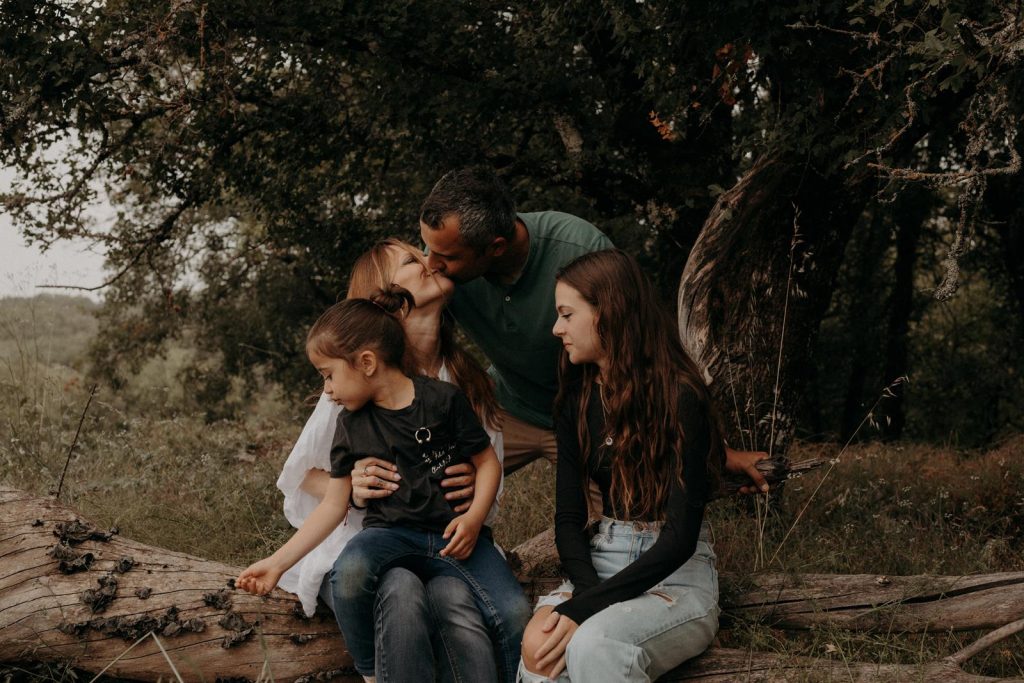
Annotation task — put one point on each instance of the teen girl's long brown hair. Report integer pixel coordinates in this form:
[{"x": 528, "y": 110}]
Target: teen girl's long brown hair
[
  {"x": 373, "y": 271},
  {"x": 645, "y": 365}
]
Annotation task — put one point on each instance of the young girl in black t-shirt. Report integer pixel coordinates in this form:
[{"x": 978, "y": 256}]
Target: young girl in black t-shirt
[
  {"x": 423, "y": 425},
  {"x": 633, "y": 414}
]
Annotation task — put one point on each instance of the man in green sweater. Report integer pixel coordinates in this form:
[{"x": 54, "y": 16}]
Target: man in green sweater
[{"x": 504, "y": 265}]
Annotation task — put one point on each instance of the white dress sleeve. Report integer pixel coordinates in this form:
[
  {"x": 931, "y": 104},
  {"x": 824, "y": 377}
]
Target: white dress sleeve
[{"x": 312, "y": 450}]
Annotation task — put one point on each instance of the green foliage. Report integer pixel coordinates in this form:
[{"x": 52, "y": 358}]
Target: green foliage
[{"x": 254, "y": 149}]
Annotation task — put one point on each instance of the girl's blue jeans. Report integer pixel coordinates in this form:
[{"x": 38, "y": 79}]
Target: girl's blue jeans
[
  {"x": 642, "y": 638},
  {"x": 358, "y": 570}
]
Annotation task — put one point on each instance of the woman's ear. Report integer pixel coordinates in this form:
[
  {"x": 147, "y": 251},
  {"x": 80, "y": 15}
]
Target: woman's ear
[{"x": 366, "y": 362}]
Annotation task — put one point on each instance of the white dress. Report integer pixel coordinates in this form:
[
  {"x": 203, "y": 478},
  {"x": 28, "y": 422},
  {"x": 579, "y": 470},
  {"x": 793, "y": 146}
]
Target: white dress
[{"x": 312, "y": 450}]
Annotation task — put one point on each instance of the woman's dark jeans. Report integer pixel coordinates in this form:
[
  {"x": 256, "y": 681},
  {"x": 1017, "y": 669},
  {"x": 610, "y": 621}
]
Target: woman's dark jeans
[
  {"x": 356, "y": 578},
  {"x": 419, "y": 627}
]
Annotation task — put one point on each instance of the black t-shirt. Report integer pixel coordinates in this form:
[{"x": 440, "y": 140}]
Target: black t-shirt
[
  {"x": 438, "y": 429},
  {"x": 684, "y": 510}
]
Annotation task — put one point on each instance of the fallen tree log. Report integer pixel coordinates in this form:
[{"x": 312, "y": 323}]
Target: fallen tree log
[
  {"x": 860, "y": 602},
  {"x": 72, "y": 592},
  {"x": 722, "y": 665}
]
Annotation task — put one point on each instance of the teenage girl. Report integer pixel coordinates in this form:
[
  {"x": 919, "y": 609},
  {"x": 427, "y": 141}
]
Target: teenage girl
[{"x": 634, "y": 415}]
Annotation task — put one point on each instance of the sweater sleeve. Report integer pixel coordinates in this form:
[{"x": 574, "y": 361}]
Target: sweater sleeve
[
  {"x": 571, "y": 503},
  {"x": 684, "y": 513}
]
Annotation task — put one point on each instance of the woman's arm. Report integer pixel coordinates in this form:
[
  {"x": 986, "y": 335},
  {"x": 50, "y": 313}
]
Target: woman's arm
[
  {"x": 571, "y": 513},
  {"x": 679, "y": 535}
]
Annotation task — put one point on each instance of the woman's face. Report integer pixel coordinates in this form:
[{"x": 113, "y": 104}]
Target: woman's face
[
  {"x": 410, "y": 271},
  {"x": 576, "y": 326}
]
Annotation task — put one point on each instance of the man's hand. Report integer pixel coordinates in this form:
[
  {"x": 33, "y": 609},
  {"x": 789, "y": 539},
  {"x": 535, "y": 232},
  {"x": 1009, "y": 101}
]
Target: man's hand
[
  {"x": 463, "y": 532},
  {"x": 462, "y": 478},
  {"x": 745, "y": 462},
  {"x": 550, "y": 656},
  {"x": 373, "y": 478},
  {"x": 259, "y": 578}
]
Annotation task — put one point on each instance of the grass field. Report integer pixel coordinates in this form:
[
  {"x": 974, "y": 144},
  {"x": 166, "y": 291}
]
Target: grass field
[{"x": 169, "y": 478}]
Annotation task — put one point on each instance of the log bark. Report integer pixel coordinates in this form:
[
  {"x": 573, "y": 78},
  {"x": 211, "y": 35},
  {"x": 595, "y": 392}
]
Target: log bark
[
  {"x": 72, "y": 592},
  {"x": 857, "y": 602},
  {"x": 207, "y": 628},
  {"x": 722, "y": 665}
]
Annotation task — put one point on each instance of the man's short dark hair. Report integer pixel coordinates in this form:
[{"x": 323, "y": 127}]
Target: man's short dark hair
[{"x": 480, "y": 200}]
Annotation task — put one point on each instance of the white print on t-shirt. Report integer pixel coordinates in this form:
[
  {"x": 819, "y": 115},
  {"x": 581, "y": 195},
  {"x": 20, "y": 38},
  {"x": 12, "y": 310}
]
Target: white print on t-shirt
[
  {"x": 436, "y": 458},
  {"x": 440, "y": 458}
]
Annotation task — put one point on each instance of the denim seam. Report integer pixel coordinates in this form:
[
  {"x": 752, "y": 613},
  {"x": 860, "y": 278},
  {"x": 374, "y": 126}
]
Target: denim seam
[
  {"x": 499, "y": 625},
  {"x": 448, "y": 650},
  {"x": 675, "y": 623}
]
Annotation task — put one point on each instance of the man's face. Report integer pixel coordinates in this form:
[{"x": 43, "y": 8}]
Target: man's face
[{"x": 448, "y": 254}]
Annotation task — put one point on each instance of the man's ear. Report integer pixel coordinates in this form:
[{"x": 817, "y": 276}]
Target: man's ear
[
  {"x": 497, "y": 247},
  {"x": 366, "y": 362}
]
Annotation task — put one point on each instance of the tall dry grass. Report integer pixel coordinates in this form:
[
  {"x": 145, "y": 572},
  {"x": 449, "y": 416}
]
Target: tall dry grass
[{"x": 167, "y": 477}]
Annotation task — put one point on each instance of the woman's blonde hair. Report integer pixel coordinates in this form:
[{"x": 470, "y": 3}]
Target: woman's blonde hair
[{"x": 373, "y": 271}]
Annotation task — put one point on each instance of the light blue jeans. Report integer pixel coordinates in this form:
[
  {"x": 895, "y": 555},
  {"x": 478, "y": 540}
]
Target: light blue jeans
[{"x": 642, "y": 638}]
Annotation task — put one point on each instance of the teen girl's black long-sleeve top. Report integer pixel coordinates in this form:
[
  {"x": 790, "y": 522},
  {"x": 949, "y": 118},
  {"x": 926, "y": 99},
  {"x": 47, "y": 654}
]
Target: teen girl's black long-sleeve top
[{"x": 684, "y": 510}]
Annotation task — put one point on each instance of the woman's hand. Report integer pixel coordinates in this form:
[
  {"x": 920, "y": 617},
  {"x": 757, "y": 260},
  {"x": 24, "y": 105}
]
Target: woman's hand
[
  {"x": 462, "y": 478},
  {"x": 745, "y": 462},
  {"x": 373, "y": 478},
  {"x": 550, "y": 656},
  {"x": 259, "y": 578}
]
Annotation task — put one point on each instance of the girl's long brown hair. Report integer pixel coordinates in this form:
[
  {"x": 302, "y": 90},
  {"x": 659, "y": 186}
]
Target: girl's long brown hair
[
  {"x": 645, "y": 364},
  {"x": 373, "y": 271}
]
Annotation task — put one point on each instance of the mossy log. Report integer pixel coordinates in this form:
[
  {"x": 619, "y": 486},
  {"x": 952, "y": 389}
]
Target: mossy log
[{"x": 74, "y": 593}]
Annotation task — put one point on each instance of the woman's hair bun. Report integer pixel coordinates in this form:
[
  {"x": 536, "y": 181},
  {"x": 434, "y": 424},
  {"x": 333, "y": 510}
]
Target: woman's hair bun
[{"x": 394, "y": 299}]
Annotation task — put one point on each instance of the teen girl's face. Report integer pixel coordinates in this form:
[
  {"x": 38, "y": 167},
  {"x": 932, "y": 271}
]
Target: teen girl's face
[
  {"x": 410, "y": 270},
  {"x": 344, "y": 385},
  {"x": 576, "y": 326}
]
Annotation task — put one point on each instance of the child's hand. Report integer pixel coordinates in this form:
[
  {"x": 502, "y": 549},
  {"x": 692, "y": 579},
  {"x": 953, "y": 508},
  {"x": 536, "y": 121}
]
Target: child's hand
[
  {"x": 463, "y": 532},
  {"x": 260, "y": 578}
]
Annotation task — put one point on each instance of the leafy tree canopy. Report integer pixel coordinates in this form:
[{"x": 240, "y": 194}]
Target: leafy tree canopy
[{"x": 253, "y": 149}]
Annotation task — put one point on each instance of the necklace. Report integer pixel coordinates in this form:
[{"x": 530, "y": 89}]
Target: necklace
[{"x": 604, "y": 411}]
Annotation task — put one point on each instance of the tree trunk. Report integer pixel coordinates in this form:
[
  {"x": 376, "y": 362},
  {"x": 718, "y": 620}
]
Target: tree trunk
[
  {"x": 756, "y": 286},
  {"x": 864, "y": 298},
  {"x": 720, "y": 665},
  {"x": 71, "y": 592},
  {"x": 911, "y": 212},
  {"x": 857, "y": 602}
]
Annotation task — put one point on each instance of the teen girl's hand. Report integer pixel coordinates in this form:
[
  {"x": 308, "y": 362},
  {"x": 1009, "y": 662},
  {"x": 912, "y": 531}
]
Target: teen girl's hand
[
  {"x": 462, "y": 478},
  {"x": 373, "y": 478},
  {"x": 550, "y": 656},
  {"x": 259, "y": 578},
  {"x": 463, "y": 532}
]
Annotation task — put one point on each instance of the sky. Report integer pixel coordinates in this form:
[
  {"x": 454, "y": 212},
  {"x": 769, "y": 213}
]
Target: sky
[{"x": 23, "y": 268}]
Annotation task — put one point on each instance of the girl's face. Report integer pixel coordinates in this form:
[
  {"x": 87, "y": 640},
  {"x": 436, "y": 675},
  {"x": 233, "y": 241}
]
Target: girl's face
[
  {"x": 576, "y": 326},
  {"x": 410, "y": 271},
  {"x": 344, "y": 384}
]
